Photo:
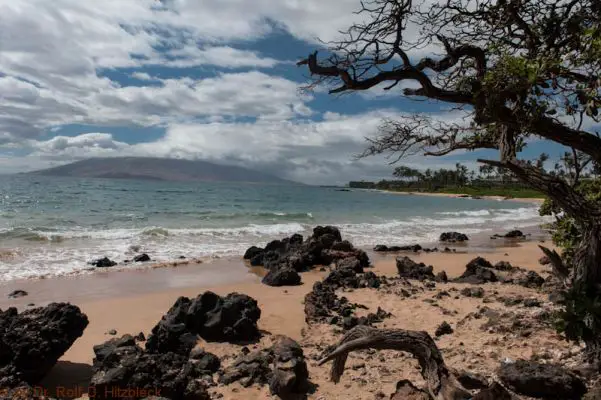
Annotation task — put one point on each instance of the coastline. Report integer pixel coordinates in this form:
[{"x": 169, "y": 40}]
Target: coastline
[
  {"x": 134, "y": 301},
  {"x": 530, "y": 200}
]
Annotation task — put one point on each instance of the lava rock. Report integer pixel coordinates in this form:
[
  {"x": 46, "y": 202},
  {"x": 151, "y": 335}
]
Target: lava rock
[
  {"x": 351, "y": 263},
  {"x": 232, "y": 318},
  {"x": 544, "y": 260},
  {"x": 141, "y": 258},
  {"x": 282, "y": 277},
  {"x": 514, "y": 234},
  {"x": 443, "y": 329},
  {"x": 522, "y": 277},
  {"x": 290, "y": 374},
  {"x": 473, "y": 292},
  {"x": 503, "y": 266},
  {"x": 453, "y": 237},
  {"x": 477, "y": 272},
  {"x": 471, "y": 381},
  {"x": 17, "y": 293},
  {"x": 104, "y": 262},
  {"x": 405, "y": 390},
  {"x": 249, "y": 369},
  {"x": 407, "y": 268},
  {"x": 31, "y": 342},
  {"x": 319, "y": 231},
  {"x": 120, "y": 363},
  {"x": 343, "y": 277},
  {"x": 441, "y": 277},
  {"x": 543, "y": 381},
  {"x": 320, "y": 302}
]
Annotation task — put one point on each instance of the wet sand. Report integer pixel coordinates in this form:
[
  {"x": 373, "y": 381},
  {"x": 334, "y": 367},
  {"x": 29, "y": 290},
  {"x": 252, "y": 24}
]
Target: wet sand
[{"x": 134, "y": 301}]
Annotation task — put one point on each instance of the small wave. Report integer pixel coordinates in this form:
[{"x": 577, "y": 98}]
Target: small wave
[
  {"x": 155, "y": 232},
  {"x": 476, "y": 213}
]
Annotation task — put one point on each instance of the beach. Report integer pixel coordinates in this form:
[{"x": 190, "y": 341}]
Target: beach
[{"x": 134, "y": 301}]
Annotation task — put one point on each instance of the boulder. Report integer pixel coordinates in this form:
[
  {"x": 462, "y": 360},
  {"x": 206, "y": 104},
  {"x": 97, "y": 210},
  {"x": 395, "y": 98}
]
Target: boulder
[
  {"x": 453, "y": 237},
  {"x": 320, "y": 302},
  {"x": 443, "y": 329},
  {"x": 282, "y": 277},
  {"x": 514, "y": 234},
  {"x": 141, "y": 258},
  {"x": 351, "y": 263},
  {"x": 232, "y": 318},
  {"x": 344, "y": 245},
  {"x": 503, "y": 266},
  {"x": 257, "y": 259},
  {"x": 407, "y": 268},
  {"x": 120, "y": 363},
  {"x": 17, "y": 293},
  {"x": 342, "y": 278},
  {"x": 477, "y": 272},
  {"x": 249, "y": 368},
  {"x": 522, "y": 277},
  {"x": 544, "y": 260},
  {"x": 473, "y": 292},
  {"x": 441, "y": 277},
  {"x": 290, "y": 374},
  {"x": 32, "y": 341},
  {"x": 370, "y": 280},
  {"x": 104, "y": 262},
  {"x": 471, "y": 381},
  {"x": 405, "y": 390},
  {"x": 541, "y": 381},
  {"x": 319, "y": 231}
]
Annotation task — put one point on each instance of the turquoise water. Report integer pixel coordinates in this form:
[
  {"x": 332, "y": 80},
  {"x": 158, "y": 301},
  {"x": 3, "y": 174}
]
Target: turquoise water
[{"x": 54, "y": 226}]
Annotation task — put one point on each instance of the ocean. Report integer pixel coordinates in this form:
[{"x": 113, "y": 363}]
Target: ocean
[{"x": 53, "y": 226}]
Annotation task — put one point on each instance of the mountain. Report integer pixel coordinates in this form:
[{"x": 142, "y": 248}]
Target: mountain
[{"x": 163, "y": 169}]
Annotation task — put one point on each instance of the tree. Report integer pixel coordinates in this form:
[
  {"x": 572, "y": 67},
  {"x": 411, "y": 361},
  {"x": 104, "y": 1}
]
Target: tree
[{"x": 516, "y": 68}]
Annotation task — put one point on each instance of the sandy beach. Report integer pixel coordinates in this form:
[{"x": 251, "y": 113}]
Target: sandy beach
[
  {"x": 459, "y": 195},
  {"x": 134, "y": 301}
]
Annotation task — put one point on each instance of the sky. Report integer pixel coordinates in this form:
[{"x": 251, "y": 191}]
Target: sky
[{"x": 206, "y": 79}]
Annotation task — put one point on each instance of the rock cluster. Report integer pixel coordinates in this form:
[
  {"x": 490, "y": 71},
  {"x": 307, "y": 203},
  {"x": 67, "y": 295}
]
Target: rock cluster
[
  {"x": 407, "y": 268},
  {"x": 121, "y": 363},
  {"x": 285, "y": 258},
  {"x": 453, "y": 237},
  {"x": 32, "y": 341},
  {"x": 171, "y": 359},
  {"x": 281, "y": 366},
  {"x": 104, "y": 262},
  {"x": 480, "y": 270},
  {"x": 214, "y": 318},
  {"x": 546, "y": 381}
]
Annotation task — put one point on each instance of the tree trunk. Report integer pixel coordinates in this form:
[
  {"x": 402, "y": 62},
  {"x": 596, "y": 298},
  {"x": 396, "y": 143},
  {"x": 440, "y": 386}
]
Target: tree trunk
[{"x": 587, "y": 282}]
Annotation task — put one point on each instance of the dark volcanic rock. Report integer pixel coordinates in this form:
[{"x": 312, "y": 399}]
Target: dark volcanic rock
[
  {"x": 17, "y": 293},
  {"x": 257, "y": 259},
  {"x": 342, "y": 277},
  {"x": 370, "y": 280},
  {"x": 141, "y": 258},
  {"x": 282, "y": 277},
  {"x": 31, "y": 342},
  {"x": 214, "y": 318},
  {"x": 503, "y": 266},
  {"x": 352, "y": 263},
  {"x": 120, "y": 363},
  {"x": 319, "y": 231},
  {"x": 471, "y": 381},
  {"x": 443, "y": 329},
  {"x": 522, "y": 277},
  {"x": 249, "y": 369},
  {"x": 383, "y": 248},
  {"x": 103, "y": 263},
  {"x": 290, "y": 374},
  {"x": 544, "y": 260},
  {"x": 514, "y": 234},
  {"x": 441, "y": 277},
  {"x": 473, "y": 292},
  {"x": 405, "y": 390},
  {"x": 407, "y": 268},
  {"x": 494, "y": 392},
  {"x": 320, "y": 302},
  {"x": 477, "y": 272},
  {"x": 453, "y": 237},
  {"x": 542, "y": 381}
]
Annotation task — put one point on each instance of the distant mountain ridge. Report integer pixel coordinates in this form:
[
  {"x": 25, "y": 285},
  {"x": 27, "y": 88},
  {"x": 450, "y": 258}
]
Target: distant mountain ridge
[{"x": 163, "y": 169}]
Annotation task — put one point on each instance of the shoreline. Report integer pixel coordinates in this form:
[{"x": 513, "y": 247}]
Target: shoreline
[
  {"x": 282, "y": 313},
  {"x": 530, "y": 200}
]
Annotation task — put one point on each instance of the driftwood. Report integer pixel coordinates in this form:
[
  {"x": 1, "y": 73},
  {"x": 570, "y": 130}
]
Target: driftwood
[{"x": 442, "y": 384}]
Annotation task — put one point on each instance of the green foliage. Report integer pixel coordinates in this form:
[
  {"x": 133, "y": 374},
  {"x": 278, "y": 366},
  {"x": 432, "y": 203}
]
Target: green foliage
[
  {"x": 581, "y": 317},
  {"x": 565, "y": 231}
]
